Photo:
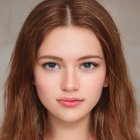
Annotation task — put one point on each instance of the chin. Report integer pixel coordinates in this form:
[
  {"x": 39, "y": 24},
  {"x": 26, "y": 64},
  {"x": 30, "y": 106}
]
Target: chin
[{"x": 73, "y": 118}]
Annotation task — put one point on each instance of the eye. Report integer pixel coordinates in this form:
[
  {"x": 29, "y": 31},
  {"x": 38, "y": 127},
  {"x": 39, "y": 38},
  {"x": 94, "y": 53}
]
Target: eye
[
  {"x": 51, "y": 65},
  {"x": 88, "y": 65}
]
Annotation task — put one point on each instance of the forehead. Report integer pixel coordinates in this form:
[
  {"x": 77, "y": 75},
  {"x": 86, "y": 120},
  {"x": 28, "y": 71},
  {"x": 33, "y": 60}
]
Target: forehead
[{"x": 70, "y": 41}]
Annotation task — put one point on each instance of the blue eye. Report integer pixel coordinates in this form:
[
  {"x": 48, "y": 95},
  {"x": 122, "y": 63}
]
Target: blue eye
[
  {"x": 51, "y": 65},
  {"x": 88, "y": 65}
]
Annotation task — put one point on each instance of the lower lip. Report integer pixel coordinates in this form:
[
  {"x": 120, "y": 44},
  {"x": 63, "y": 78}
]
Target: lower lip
[{"x": 70, "y": 103}]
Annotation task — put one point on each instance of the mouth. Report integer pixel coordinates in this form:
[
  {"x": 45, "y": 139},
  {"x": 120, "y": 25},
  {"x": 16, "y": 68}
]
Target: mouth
[{"x": 70, "y": 102}]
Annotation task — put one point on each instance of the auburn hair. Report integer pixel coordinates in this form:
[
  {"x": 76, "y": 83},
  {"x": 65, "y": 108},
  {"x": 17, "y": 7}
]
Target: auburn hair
[{"x": 115, "y": 115}]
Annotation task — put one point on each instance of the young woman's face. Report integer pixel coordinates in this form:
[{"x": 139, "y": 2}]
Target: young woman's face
[{"x": 70, "y": 73}]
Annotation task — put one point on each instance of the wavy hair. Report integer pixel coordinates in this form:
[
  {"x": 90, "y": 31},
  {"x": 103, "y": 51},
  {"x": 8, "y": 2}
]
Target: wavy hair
[{"x": 115, "y": 115}]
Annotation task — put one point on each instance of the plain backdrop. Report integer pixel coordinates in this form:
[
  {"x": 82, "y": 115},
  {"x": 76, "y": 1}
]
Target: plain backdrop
[{"x": 124, "y": 12}]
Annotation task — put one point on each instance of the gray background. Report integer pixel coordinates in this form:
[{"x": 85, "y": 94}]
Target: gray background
[{"x": 126, "y": 14}]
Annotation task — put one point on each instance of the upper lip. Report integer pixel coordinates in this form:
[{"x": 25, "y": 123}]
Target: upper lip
[{"x": 70, "y": 99}]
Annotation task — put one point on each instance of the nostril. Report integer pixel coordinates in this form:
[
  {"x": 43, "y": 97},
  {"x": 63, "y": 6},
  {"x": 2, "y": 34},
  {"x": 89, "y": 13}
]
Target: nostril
[{"x": 69, "y": 87}]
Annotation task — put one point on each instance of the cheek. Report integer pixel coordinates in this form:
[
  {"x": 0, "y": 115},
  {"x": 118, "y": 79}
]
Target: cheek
[
  {"x": 45, "y": 84},
  {"x": 46, "y": 88},
  {"x": 92, "y": 85}
]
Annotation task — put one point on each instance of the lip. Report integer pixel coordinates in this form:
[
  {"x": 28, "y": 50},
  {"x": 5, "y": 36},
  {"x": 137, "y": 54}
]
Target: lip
[{"x": 70, "y": 102}]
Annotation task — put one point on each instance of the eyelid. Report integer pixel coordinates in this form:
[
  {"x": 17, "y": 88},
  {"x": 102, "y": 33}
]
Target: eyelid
[
  {"x": 91, "y": 62},
  {"x": 44, "y": 64},
  {"x": 61, "y": 66}
]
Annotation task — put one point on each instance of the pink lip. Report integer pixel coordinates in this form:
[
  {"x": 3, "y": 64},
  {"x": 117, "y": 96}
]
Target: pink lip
[{"x": 70, "y": 102}]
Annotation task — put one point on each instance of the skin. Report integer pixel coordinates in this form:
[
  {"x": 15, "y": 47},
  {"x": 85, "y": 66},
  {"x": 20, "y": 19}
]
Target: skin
[{"x": 76, "y": 68}]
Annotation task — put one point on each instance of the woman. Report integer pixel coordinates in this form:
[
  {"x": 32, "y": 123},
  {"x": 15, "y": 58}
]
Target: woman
[{"x": 68, "y": 78}]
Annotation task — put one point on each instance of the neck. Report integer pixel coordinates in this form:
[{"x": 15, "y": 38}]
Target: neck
[{"x": 62, "y": 130}]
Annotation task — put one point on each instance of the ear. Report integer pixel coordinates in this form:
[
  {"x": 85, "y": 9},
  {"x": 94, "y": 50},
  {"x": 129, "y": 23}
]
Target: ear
[
  {"x": 33, "y": 82},
  {"x": 106, "y": 82}
]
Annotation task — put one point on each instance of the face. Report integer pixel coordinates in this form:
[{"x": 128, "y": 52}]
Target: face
[{"x": 70, "y": 73}]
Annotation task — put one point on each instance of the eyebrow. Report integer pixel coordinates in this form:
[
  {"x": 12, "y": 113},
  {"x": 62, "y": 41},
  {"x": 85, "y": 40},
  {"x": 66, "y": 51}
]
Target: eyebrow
[
  {"x": 89, "y": 57},
  {"x": 60, "y": 59},
  {"x": 50, "y": 57}
]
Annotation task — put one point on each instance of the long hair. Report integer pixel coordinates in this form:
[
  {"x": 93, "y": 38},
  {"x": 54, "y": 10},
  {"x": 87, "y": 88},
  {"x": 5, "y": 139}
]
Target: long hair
[{"x": 113, "y": 118}]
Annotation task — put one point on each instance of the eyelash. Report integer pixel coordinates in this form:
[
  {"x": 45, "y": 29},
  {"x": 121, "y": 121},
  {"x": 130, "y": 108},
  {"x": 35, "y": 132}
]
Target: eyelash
[
  {"x": 45, "y": 65},
  {"x": 88, "y": 64}
]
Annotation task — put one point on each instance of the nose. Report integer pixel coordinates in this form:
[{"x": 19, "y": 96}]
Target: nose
[{"x": 69, "y": 82}]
